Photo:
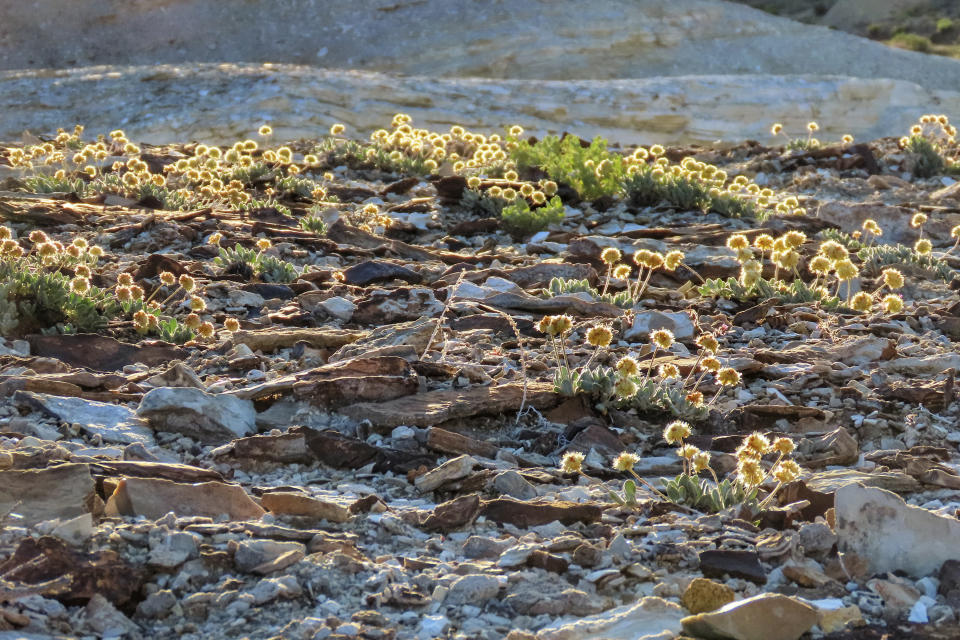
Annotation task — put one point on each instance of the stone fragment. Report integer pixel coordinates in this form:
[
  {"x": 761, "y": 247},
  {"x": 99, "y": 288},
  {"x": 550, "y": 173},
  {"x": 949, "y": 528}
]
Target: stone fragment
[
  {"x": 703, "y": 595},
  {"x": 644, "y": 323},
  {"x": 209, "y": 418},
  {"x": 338, "y": 307},
  {"x": 102, "y": 353},
  {"x": 114, "y": 423},
  {"x": 512, "y": 484},
  {"x": 297, "y": 504},
  {"x": 173, "y": 550},
  {"x": 105, "y": 619},
  {"x": 61, "y": 492},
  {"x": 472, "y": 589},
  {"x": 715, "y": 563},
  {"x": 356, "y": 380},
  {"x": 835, "y": 619},
  {"x": 434, "y": 407},
  {"x": 532, "y": 514},
  {"x": 897, "y": 596},
  {"x": 177, "y": 375},
  {"x": 807, "y": 573},
  {"x": 365, "y": 273},
  {"x": 270, "y": 589},
  {"x": 456, "y": 443},
  {"x": 266, "y": 556},
  {"x": 157, "y": 604},
  {"x": 767, "y": 616},
  {"x": 890, "y": 535},
  {"x": 397, "y": 305},
  {"x": 452, "y": 514},
  {"x": 154, "y": 498},
  {"x": 648, "y": 618},
  {"x": 477, "y": 547},
  {"x": 455, "y": 469}
]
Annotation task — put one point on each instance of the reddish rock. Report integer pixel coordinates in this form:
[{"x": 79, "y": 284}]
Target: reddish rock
[{"x": 532, "y": 514}]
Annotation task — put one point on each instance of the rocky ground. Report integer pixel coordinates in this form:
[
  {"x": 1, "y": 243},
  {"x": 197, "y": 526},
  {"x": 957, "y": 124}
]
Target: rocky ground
[{"x": 370, "y": 445}]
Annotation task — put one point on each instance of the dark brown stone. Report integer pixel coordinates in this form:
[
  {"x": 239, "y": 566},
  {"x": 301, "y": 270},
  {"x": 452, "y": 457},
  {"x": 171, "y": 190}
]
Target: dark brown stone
[
  {"x": 453, "y": 514},
  {"x": 532, "y": 514},
  {"x": 715, "y": 563}
]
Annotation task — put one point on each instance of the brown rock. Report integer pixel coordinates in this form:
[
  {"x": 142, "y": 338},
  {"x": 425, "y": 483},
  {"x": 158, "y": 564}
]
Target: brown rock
[
  {"x": 448, "y": 442},
  {"x": 703, "y": 595},
  {"x": 102, "y": 353},
  {"x": 360, "y": 379},
  {"x": 453, "y": 514},
  {"x": 541, "y": 559},
  {"x": 64, "y": 491},
  {"x": 153, "y": 499},
  {"x": 767, "y": 616},
  {"x": 296, "y": 504},
  {"x": 532, "y": 514},
  {"x": 271, "y": 339},
  {"x": 435, "y": 407},
  {"x": 455, "y": 469},
  {"x": 287, "y": 448}
]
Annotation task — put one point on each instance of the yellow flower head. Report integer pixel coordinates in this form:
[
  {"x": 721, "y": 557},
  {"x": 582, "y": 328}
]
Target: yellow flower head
[
  {"x": 205, "y": 330},
  {"x": 745, "y": 255},
  {"x": 695, "y": 398},
  {"x": 892, "y": 278},
  {"x": 787, "y": 471},
  {"x": 847, "y": 139},
  {"x": 125, "y": 279},
  {"x": 188, "y": 283},
  {"x": 546, "y": 325},
  {"x": 640, "y": 256},
  {"x": 668, "y": 371},
  {"x": 562, "y": 324},
  {"x": 834, "y": 250},
  {"x": 80, "y": 285},
  {"x": 662, "y": 338},
  {"x": 192, "y": 321},
  {"x": 708, "y": 342},
  {"x": 215, "y": 238},
  {"x": 673, "y": 259},
  {"x": 263, "y": 244},
  {"x": 820, "y": 265},
  {"x": 728, "y": 376},
  {"x": 197, "y": 304},
  {"x": 764, "y": 242},
  {"x": 870, "y": 225},
  {"x": 599, "y": 336},
  {"x": 846, "y": 270},
  {"x": 812, "y": 126},
  {"x": 862, "y": 302},
  {"x": 136, "y": 292},
  {"x": 627, "y": 366},
  {"x": 776, "y": 128},
  {"x": 621, "y": 272},
  {"x": 795, "y": 238},
  {"x": 676, "y": 431},
  {"x": 701, "y": 461},
  {"x": 167, "y": 278},
  {"x": 611, "y": 255},
  {"x": 923, "y": 246},
  {"x": 918, "y": 220},
  {"x": 710, "y": 364},
  {"x": 757, "y": 442},
  {"x": 231, "y": 325},
  {"x": 625, "y": 461},
  {"x": 572, "y": 462},
  {"x": 784, "y": 446},
  {"x": 750, "y": 472},
  {"x": 737, "y": 241},
  {"x": 123, "y": 294},
  {"x": 337, "y": 129},
  {"x": 892, "y": 303},
  {"x": 265, "y": 130},
  {"x": 687, "y": 451},
  {"x": 625, "y": 388}
]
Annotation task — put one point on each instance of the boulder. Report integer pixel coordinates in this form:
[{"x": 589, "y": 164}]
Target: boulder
[
  {"x": 153, "y": 498},
  {"x": 768, "y": 616},
  {"x": 207, "y": 417}
]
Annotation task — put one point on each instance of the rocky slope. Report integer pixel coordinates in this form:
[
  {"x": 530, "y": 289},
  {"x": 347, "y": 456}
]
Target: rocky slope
[{"x": 372, "y": 447}]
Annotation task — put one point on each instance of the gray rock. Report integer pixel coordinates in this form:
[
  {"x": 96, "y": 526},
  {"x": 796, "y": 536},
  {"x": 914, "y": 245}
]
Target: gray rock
[
  {"x": 157, "y": 605},
  {"x": 472, "y": 589},
  {"x": 105, "y": 619},
  {"x": 254, "y": 555},
  {"x": 817, "y": 538},
  {"x": 648, "y": 618},
  {"x": 454, "y": 469},
  {"x": 338, "y": 307},
  {"x": 480, "y": 547},
  {"x": 177, "y": 375},
  {"x": 513, "y": 484},
  {"x": 890, "y": 535},
  {"x": 270, "y": 589},
  {"x": 114, "y": 423},
  {"x": 646, "y": 322},
  {"x": 207, "y": 417},
  {"x": 173, "y": 550}
]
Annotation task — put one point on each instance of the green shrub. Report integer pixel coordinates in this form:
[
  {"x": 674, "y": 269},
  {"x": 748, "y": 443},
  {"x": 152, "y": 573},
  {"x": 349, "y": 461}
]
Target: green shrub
[
  {"x": 593, "y": 171},
  {"x": 520, "y": 220},
  {"x": 912, "y": 42}
]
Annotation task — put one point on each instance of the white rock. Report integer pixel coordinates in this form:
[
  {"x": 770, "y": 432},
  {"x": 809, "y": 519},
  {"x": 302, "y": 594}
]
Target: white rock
[
  {"x": 114, "y": 423},
  {"x": 890, "y": 535},
  {"x": 648, "y": 618},
  {"x": 646, "y": 322},
  {"x": 209, "y": 418},
  {"x": 338, "y": 307}
]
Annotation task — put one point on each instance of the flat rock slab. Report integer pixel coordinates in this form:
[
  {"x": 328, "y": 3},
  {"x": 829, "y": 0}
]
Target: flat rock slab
[
  {"x": 297, "y": 504},
  {"x": 61, "y": 492},
  {"x": 116, "y": 424},
  {"x": 767, "y": 616},
  {"x": 435, "y": 407},
  {"x": 209, "y": 418},
  {"x": 155, "y": 498},
  {"x": 103, "y": 353},
  {"x": 365, "y": 273},
  {"x": 715, "y": 563},
  {"x": 533, "y": 514},
  {"x": 650, "y": 617},
  {"x": 889, "y": 535}
]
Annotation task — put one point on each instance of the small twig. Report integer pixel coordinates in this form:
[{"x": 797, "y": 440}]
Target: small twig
[
  {"x": 523, "y": 355},
  {"x": 443, "y": 314}
]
